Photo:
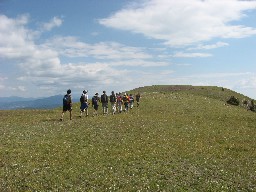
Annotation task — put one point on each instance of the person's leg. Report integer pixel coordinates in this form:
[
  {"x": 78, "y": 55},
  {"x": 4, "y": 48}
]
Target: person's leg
[
  {"x": 118, "y": 107},
  {"x": 106, "y": 108},
  {"x": 103, "y": 108},
  {"x": 113, "y": 108},
  {"x": 64, "y": 109},
  {"x": 95, "y": 112},
  {"x": 70, "y": 114},
  {"x": 126, "y": 105},
  {"x": 82, "y": 109},
  {"x": 131, "y": 105},
  {"x": 62, "y": 115}
]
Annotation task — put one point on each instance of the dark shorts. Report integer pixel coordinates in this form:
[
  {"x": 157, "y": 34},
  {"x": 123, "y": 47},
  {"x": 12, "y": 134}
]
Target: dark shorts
[
  {"x": 96, "y": 107},
  {"x": 83, "y": 106},
  {"x": 67, "y": 108},
  {"x": 105, "y": 105},
  {"x": 126, "y": 104}
]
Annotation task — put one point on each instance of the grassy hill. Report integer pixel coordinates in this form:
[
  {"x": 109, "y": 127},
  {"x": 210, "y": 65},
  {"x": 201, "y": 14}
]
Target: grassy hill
[{"x": 181, "y": 138}]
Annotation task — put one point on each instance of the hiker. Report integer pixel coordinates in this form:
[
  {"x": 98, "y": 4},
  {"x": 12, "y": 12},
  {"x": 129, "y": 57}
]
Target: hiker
[
  {"x": 104, "y": 101},
  {"x": 126, "y": 102},
  {"x": 131, "y": 101},
  {"x": 119, "y": 102},
  {"x": 84, "y": 103},
  {"x": 95, "y": 104},
  {"x": 112, "y": 99},
  {"x": 138, "y": 99},
  {"x": 67, "y": 105}
]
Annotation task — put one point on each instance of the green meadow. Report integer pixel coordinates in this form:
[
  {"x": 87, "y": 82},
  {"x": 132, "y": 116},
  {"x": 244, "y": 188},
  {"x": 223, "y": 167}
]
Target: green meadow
[{"x": 180, "y": 138}]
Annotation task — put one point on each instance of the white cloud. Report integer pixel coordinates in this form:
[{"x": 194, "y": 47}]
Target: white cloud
[
  {"x": 220, "y": 75},
  {"x": 191, "y": 55},
  {"x": 2, "y": 80},
  {"x": 249, "y": 82},
  {"x": 21, "y": 88},
  {"x": 2, "y": 87},
  {"x": 54, "y": 22},
  {"x": 167, "y": 72},
  {"x": 182, "y": 23},
  {"x": 39, "y": 66},
  {"x": 95, "y": 33},
  {"x": 72, "y": 47},
  {"x": 184, "y": 64},
  {"x": 139, "y": 63},
  {"x": 15, "y": 39},
  {"x": 210, "y": 46}
]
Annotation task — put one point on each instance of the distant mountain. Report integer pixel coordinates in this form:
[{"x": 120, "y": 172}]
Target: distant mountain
[
  {"x": 8, "y": 103},
  {"x": 15, "y": 99}
]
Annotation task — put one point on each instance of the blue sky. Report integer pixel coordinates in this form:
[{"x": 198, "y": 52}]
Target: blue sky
[{"x": 47, "y": 47}]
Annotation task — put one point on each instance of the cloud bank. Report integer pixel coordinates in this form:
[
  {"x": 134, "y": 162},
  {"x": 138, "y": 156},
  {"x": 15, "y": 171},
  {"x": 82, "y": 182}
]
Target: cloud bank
[{"x": 183, "y": 23}]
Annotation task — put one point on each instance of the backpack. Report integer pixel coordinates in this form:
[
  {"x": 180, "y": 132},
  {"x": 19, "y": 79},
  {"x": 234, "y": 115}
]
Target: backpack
[
  {"x": 125, "y": 98},
  {"x": 131, "y": 99},
  {"x": 66, "y": 100},
  {"x": 104, "y": 98},
  {"x": 112, "y": 98},
  {"x": 94, "y": 100},
  {"x": 119, "y": 99},
  {"x": 82, "y": 99}
]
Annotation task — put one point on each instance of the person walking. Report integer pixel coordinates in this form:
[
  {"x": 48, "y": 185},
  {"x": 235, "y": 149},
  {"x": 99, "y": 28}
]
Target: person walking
[
  {"x": 112, "y": 99},
  {"x": 119, "y": 102},
  {"x": 104, "y": 101},
  {"x": 131, "y": 101},
  {"x": 126, "y": 102},
  {"x": 67, "y": 105},
  {"x": 95, "y": 104},
  {"x": 84, "y": 103},
  {"x": 138, "y": 99}
]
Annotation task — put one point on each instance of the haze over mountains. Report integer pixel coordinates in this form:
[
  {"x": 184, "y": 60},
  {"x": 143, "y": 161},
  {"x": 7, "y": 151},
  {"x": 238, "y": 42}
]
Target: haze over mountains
[{"x": 7, "y": 103}]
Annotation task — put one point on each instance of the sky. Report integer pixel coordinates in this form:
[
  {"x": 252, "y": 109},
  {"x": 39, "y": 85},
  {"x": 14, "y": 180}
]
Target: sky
[{"x": 49, "y": 46}]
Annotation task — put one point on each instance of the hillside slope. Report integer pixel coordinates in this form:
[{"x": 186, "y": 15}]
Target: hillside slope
[
  {"x": 176, "y": 140},
  {"x": 214, "y": 92}
]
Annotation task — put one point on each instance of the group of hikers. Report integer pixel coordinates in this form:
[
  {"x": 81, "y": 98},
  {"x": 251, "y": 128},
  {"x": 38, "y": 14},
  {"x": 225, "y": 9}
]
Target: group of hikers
[{"x": 117, "y": 101}]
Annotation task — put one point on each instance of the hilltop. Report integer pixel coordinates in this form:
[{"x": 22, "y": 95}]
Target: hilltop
[
  {"x": 219, "y": 93},
  {"x": 181, "y": 138}
]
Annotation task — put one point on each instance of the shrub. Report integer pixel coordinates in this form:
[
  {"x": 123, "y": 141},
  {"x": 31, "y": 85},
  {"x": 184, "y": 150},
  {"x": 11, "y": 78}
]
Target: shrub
[{"x": 233, "y": 101}]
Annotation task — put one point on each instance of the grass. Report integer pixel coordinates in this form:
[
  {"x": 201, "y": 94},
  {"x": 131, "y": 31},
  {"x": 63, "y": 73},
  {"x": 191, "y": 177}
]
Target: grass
[{"x": 182, "y": 139}]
